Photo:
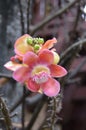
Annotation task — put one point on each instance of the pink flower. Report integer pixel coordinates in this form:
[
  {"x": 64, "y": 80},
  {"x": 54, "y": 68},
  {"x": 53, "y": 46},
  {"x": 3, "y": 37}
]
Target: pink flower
[
  {"x": 38, "y": 72},
  {"x": 35, "y": 64}
]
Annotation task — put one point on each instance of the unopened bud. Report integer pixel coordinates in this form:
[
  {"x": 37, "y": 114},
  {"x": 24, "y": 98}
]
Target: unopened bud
[
  {"x": 56, "y": 57},
  {"x": 29, "y": 41},
  {"x": 36, "y": 47},
  {"x": 35, "y": 40},
  {"x": 41, "y": 40}
]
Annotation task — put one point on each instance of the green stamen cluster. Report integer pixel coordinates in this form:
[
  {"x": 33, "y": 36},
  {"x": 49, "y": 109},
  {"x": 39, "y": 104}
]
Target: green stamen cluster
[{"x": 35, "y": 42}]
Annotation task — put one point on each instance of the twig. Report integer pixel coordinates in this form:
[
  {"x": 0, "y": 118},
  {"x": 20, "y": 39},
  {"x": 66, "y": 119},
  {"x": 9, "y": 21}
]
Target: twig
[
  {"x": 53, "y": 114},
  {"x": 23, "y": 109},
  {"x": 5, "y": 114},
  {"x": 22, "y": 17},
  {"x": 73, "y": 31},
  {"x": 75, "y": 71},
  {"x": 59, "y": 3},
  {"x": 52, "y": 16},
  {"x": 33, "y": 99},
  {"x": 75, "y": 45},
  {"x": 28, "y": 15},
  {"x": 6, "y": 75},
  {"x": 54, "y": 107},
  {"x": 19, "y": 102},
  {"x": 24, "y": 90},
  {"x": 77, "y": 17},
  {"x": 74, "y": 81},
  {"x": 30, "y": 101},
  {"x": 36, "y": 112},
  {"x": 29, "y": 7},
  {"x": 11, "y": 116}
]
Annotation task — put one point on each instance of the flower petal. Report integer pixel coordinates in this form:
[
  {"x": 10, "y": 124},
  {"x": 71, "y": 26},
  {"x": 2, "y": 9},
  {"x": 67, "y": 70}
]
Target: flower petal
[
  {"x": 33, "y": 86},
  {"x": 30, "y": 58},
  {"x": 21, "y": 74},
  {"x": 21, "y": 46},
  {"x": 16, "y": 57},
  {"x": 51, "y": 87},
  {"x": 46, "y": 56},
  {"x": 57, "y": 71},
  {"x": 49, "y": 44},
  {"x": 12, "y": 65}
]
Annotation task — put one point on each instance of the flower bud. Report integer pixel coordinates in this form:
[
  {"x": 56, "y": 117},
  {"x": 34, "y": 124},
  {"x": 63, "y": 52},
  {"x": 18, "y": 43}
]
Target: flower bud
[
  {"x": 56, "y": 57},
  {"x": 29, "y": 41},
  {"x": 36, "y": 47},
  {"x": 35, "y": 40},
  {"x": 41, "y": 40}
]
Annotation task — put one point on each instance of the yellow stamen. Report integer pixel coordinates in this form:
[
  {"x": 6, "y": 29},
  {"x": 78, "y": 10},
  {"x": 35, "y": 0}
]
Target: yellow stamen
[{"x": 40, "y": 68}]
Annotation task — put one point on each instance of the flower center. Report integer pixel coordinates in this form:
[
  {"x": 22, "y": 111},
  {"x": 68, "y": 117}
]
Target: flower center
[{"x": 40, "y": 74}]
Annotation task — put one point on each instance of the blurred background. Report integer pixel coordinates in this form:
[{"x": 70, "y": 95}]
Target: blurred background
[{"x": 65, "y": 20}]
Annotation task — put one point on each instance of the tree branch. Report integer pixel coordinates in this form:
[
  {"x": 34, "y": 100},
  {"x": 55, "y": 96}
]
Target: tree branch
[
  {"x": 36, "y": 112},
  {"x": 75, "y": 71},
  {"x": 23, "y": 108},
  {"x": 22, "y": 17},
  {"x": 29, "y": 13},
  {"x": 73, "y": 46},
  {"x": 30, "y": 101},
  {"x": 52, "y": 16},
  {"x": 19, "y": 102},
  {"x": 9, "y": 76}
]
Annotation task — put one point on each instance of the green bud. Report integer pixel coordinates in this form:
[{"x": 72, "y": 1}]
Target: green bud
[
  {"x": 36, "y": 47},
  {"x": 41, "y": 40},
  {"x": 35, "y": 40},
  {"x": 30, "y": 41}
]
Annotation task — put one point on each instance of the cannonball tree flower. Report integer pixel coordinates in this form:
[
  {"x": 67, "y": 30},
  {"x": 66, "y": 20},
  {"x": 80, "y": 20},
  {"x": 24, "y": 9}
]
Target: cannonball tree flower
[{"x": 37, "y": 71}]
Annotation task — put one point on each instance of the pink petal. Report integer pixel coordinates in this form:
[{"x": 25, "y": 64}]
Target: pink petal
[
  {"x": 16, "y": 57},
  {"x": 12, "y": 65},
  {"x": 33, "y": 86},
  {"x": 57, "y": 70},
  {"x": 30, "y": 58},
  {"x": 46, "y": 56},
  {"x": 51, "y": 87},
  {"x": 49, "y": 44},
  {"x": 21, "y": 74},
  {"x": 21, "y": 46}
]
